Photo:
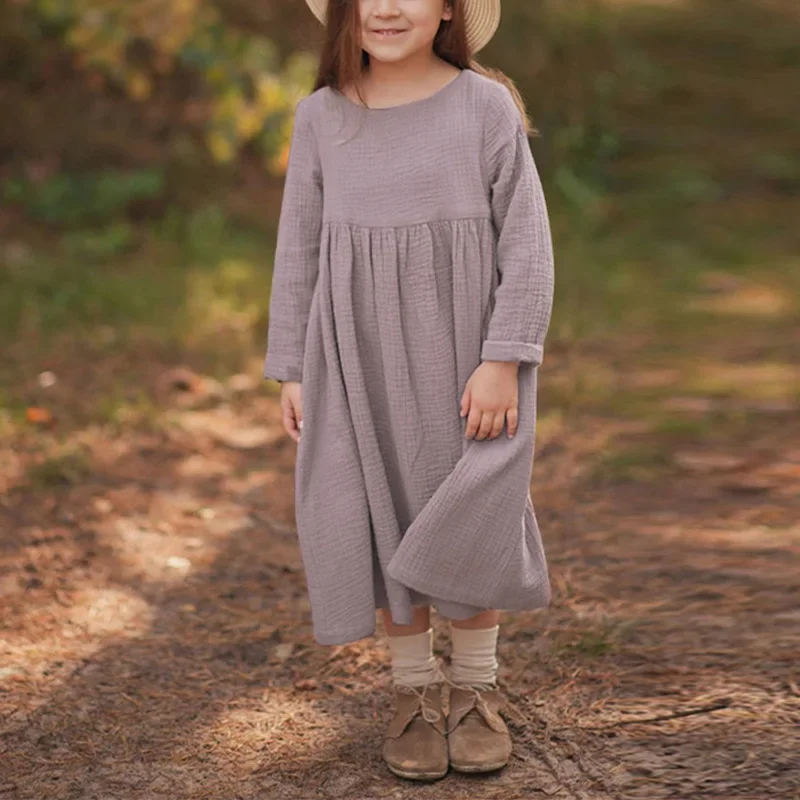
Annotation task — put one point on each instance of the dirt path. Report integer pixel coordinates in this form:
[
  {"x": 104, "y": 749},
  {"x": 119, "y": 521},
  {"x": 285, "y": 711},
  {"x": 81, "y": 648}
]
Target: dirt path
[{"x": 157, "y": 643}]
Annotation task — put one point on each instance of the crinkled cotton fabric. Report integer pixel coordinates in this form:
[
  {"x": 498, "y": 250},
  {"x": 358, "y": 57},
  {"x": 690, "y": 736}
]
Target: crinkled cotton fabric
[{"x": 413, "y": 243}]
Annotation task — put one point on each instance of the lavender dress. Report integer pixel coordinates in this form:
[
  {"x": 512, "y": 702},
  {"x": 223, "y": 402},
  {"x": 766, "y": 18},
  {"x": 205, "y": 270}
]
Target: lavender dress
[{"x": 413, "y": 243}]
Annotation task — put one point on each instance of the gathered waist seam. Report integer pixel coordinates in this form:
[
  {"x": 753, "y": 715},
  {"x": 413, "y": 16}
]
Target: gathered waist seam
[{"x": 421, "y": 224}]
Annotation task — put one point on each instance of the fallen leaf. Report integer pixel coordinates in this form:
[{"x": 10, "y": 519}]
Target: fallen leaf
[
  {"x": 708, "y": 461},
  {"x": 178, "y": 562},
  {"x": 180, "y": 379},
  {"x": 102, "y": 505},
  {"x": 283, "y": 651},
  {"x": 47, "y": 379},
  {"x": 38, "y": 416}
]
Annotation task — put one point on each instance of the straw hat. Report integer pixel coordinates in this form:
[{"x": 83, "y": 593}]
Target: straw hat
[{"x": 482, "y": 18}]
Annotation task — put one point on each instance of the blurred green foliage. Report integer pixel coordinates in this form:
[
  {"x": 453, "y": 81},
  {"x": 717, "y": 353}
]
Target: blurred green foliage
[
  {"x": 667, "y": 148},
  {"x": 86, "y": 199},
  {"x": 248, "y": 94}
]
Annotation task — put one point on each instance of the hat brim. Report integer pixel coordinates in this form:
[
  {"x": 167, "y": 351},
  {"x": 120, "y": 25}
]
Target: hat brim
[{"x": 481, "y": 17}]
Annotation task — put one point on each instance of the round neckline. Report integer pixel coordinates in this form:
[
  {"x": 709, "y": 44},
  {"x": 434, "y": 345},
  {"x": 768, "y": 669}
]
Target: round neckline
[{"x": 411, "y": 104}]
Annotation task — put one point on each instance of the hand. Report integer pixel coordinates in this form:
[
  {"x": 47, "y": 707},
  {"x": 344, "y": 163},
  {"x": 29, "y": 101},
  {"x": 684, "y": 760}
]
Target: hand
[
  {"x": 292, "y": 408},
  {"x": 490, "y": 398}
]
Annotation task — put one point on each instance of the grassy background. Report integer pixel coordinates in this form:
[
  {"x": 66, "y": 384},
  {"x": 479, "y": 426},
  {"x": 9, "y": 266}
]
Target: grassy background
[{"x": 671, "y": 158}]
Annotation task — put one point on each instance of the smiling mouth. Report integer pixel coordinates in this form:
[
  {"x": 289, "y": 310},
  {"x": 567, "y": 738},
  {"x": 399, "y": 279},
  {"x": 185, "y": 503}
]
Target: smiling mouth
[{"x": 389, "y": 32}]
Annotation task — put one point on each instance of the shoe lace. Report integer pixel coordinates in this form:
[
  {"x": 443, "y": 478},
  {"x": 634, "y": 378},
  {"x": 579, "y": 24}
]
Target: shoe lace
[
  {"x": 476, "y": 689},
  {"x": 429, "y": 714}
]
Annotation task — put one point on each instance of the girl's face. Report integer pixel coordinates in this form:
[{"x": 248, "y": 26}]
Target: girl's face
[{"x": 393, "y": 30}]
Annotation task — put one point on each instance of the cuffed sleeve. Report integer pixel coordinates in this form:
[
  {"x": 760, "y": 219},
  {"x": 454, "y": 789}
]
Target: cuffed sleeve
[
  {"x": 523, "y": 297},
  {"x": 296, "y": 262}
]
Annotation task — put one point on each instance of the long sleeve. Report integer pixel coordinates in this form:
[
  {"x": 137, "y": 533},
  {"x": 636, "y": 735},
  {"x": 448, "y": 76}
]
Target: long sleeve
[
  {"x": 523, "y": 298},
  {"x": 296, "y": 263}
]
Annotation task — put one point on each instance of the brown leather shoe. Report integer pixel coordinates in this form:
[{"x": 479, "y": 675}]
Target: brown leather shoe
[
  {"x": 415, "y": 746},
  {"x": 478, "y": 737}
]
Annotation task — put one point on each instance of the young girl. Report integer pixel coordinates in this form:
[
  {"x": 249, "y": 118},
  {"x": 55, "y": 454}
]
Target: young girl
[{"x": 411, "y": 296}]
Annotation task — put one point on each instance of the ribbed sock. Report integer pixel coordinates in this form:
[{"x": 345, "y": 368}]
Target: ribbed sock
[
  {"x": 474, "y": 655},
  {"x": 413, "y": 662}
]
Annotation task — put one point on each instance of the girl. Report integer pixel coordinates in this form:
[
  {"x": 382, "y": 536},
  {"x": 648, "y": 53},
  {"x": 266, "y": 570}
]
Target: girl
[{"x": 411, "y": 296}]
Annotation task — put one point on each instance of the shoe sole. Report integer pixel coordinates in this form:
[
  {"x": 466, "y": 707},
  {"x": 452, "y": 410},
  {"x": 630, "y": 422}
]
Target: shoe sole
[
  {"x": 478, "y": 767},
  {"x": 417, "y": 776}
]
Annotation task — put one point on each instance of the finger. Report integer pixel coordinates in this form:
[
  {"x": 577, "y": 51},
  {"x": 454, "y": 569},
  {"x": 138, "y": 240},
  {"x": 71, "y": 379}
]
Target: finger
[
  {"x": 465, "y": 402},
  {"x": 473, "y": 421},
  {"x": 513, "y": 421},
  {"x": 286, "y": 414},
  {"x": 497, "y": 427},
  {"x": 291, "y": 427},
  {"x": 298, "y": 420},
  {"x": 289, "y": 421},
  {"x": 487, "y": 420},
  {"x": 299, "y": 430}
]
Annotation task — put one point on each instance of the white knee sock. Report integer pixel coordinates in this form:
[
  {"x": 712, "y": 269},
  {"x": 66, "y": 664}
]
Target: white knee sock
[
  {"x": 474, "y": 656},
  {"x": 413, "y": 662}
]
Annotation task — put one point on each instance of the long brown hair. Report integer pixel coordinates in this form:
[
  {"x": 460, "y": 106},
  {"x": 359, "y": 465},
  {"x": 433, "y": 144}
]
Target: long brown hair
[{"x": 343, "y": 62}]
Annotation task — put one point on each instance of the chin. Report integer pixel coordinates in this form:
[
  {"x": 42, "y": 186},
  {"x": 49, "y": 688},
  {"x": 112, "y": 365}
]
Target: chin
[
  {"x": 387, "y": 56},
  {"x": 391, "y": 54}
]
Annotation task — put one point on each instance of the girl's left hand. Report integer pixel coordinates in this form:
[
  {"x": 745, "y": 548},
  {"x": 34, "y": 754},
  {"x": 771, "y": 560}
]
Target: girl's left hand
[{"x": 490, "y": 399}]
